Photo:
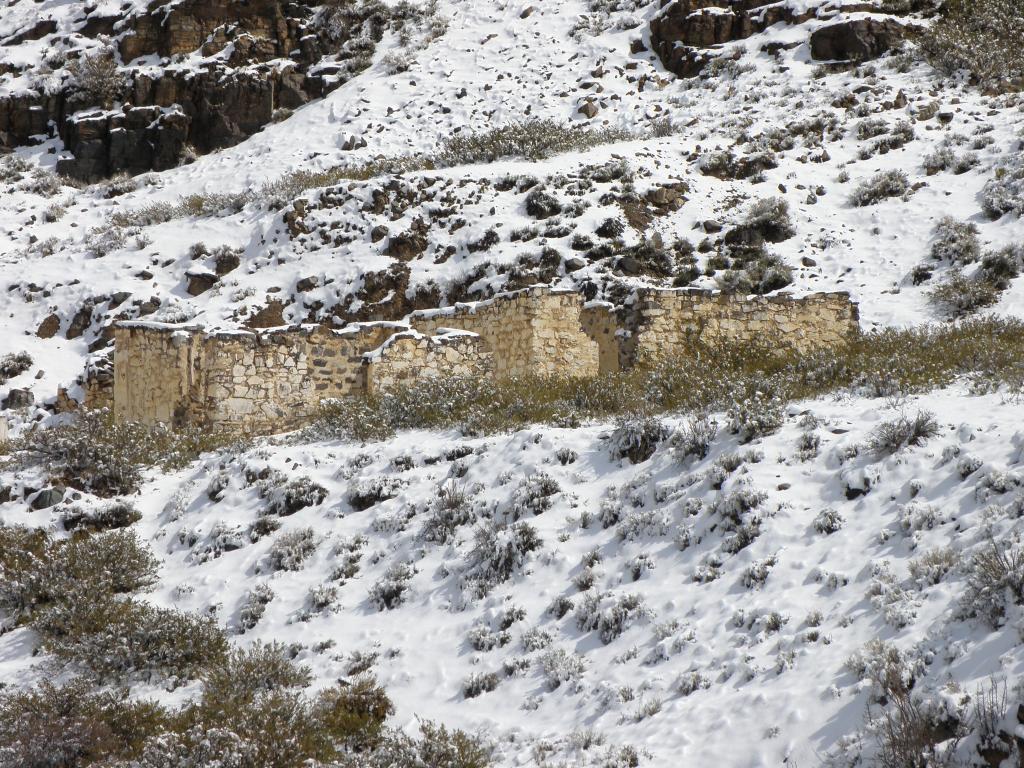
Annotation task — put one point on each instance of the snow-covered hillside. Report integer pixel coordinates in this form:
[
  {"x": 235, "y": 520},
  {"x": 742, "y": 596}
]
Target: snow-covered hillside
[
  {"x": 699, "y": 610},
  {"x": 769, "y": 603}
]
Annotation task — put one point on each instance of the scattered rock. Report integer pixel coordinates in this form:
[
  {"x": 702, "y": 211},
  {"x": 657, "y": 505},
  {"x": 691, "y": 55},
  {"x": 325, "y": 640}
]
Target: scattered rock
[
  {"x": 271, "y": 316},
  {"x": 18, "y": 398},
  {"x": 48, "y": 497},
  {"x": 200, "y": 281},
  {"x": 49, "y": 327},
  {"x": 80, "y": 322}
]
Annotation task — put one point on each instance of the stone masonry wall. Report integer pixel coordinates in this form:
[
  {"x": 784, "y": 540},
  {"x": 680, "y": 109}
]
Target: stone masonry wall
[
  {"x": 409, "y": 357},
  {"x": 238, "y": 381},
  {"x": 268, "y": 381},
  {"x": 665, "y": 320},
  {"x": 530, "y": 332},
  {"x": 153, "y": 369}
]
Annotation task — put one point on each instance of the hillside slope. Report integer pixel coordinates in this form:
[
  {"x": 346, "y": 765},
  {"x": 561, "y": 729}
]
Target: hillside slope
[{"x": 772, "y": 602}]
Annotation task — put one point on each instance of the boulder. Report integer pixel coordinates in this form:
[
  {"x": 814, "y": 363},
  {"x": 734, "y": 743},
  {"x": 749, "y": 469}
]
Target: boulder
[
  {"x": 49, "y": 327},
  {"x": 48, "y": 497},
  {"x": 856, "y": 39},
  {"x": 18, "y": 398},
  {"x": 200, "y": 281}
]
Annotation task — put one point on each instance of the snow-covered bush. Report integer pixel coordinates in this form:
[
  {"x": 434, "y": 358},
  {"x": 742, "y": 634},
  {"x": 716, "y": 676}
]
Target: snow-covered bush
[
  {"x": 103, "y": 516},
  {"x": 609, "y": 614},
  {"x": 889, "y": 598},
  {"x": 755, "y": 416},
  {"x": 97, "y": 454},
  {"x": 982, "y": 37},
  {"x": 755, "y": 271},
  {"x": 959, "y": 295},
  {"x": 694, "y": 439},
  {"x": 103, "y": 241},
  {"x": 932, "y": 566},
  {"x": 368, "y": 493},
  {"x": 39, "y": 574},
  {"x": 478, "y": 683},
  {"x": 899, "y": 135},
  {"x": 559, "y": 666},
  {"x": 437, "y": 746},
  {"x": 291, "y": 550},
  {"x": 955, "y": 241},
  {"x": 392, "y": 588},
  {"x": 756, "y": 574},
  {"x": 643, "y": 523},
  {"x": 64, "y": 724},
  {"x": 828, "y": 521},
  {"x": 767, "y": 220},
  {"x": 919, "y": 730},
  {"x": 890, "y": 436},
  {"x": 498, "y": 552},
  {"x": 807, "y": 446},
  {"x": 994, "y": 573},
  {"x": 97, "y": 78},
  {"x": 535, "y": 639},
  {"x": 736, "y": 506},
  {"x": 296, "y": 494},
  {"x": 254, "y": 605},
  {"x": 1004, "y": 192},
  {"x": 998, "y": 268},
  {"x": 691, "y": 682},
  {"x": 637, "y": 436},
  {"x": 917, "y": 516},
  {"x": 886, "y": 184},
  {"x": 940, "y": 159},
  {"x": 891, "y": 672},
  {"x": 483, "y": 638},
  {"x": 450, "y": 510},
  {"x": 534, "y": 495},
  {"x": 116, "y": 637},
  {"x": 534, "y": 139},
  {"x": 639, "y": 565},
  {"x": 14, "y": 364},
  {"x": 559, "y": 607}
]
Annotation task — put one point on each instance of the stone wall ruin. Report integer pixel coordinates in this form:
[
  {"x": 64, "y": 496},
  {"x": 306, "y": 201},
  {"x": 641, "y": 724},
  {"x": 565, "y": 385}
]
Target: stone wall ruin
[{"x": 266, "y": 381}]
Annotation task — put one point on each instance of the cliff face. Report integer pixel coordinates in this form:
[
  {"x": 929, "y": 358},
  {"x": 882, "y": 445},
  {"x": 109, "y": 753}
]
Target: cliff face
[{"x": 224, "y": 70}]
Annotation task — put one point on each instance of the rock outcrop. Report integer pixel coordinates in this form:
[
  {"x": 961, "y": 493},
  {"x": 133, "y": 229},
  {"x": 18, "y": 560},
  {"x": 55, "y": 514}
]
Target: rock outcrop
[
  {"x": 856, "y": 39},
  {"x": 685, "y": 33},
  {"x": 258, "y": 58}
]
